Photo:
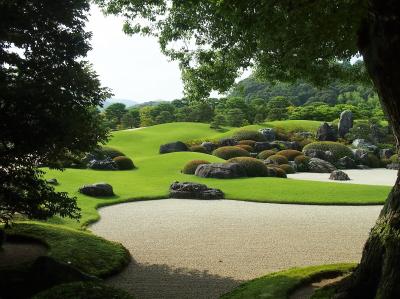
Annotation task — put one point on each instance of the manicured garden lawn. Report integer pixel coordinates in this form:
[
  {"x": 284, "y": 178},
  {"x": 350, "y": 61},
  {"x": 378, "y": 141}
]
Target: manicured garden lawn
[
  {"x": 156, "y": 172},
  {"x": 85, "y": 251},
  {"x": 279, "y": 285}
]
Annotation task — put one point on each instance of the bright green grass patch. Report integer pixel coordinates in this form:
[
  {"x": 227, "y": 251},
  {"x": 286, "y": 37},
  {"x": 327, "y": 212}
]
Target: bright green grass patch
[
  {"x": 83, "y": 290},
  {"x": 87, "y": 252},
  {"x": 279, "y": 285},
  {"x": 156, "y": 172}
]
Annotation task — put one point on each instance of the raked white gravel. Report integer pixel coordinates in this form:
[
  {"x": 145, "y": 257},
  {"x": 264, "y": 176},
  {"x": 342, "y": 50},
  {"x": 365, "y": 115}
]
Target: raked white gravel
[
  {"x": 376, "y": 176},
  {"x": 202, "y": 249}
]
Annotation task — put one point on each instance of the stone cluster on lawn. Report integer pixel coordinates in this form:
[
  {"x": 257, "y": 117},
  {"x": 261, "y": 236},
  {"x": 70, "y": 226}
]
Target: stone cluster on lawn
[
  {"x": 97, "y": 190},
  {"x": 189, "y": 190},
  {"x": 220, "y": 171},
  {"x": 339, "y": 175}
]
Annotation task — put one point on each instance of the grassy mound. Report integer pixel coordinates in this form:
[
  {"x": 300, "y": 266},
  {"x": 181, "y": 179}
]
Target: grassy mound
[
  {"x": 280, "y": 285},
  {"x": 289, "y": 154},
  {"x": 228, "y": 152},
  {"x": 248, "y": 135},
  {"x": 338, "y": 150},
  {"x": 253, "y": 167},
  {"x": 144, "y": 144},
  {"x": 265, "y": 154},
  {"x": 191, "y": 166},
  {"x": 277, "y": 159},
  {"x": 87, "y": 252},
  {"x": 124, "y": 163},
  {"x": 83, "y": 290}
]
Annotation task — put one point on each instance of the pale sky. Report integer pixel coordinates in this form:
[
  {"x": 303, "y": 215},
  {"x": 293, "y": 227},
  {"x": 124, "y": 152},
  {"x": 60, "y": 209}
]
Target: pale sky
[{"x": 132, "y": 66}]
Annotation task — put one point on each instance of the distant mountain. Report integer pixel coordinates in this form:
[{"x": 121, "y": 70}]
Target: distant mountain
[
  {"x": 150, "y": 103},
  {"x": 128, "y": 103}
]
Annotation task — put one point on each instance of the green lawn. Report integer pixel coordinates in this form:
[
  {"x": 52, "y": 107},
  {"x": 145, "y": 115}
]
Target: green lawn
[
  {"x": 156, "y": 172},
  {"x": 280, "y": 285}
]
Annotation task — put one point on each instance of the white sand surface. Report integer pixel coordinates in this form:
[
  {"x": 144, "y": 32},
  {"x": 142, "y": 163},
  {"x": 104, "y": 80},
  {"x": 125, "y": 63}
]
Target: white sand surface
[
  {"x": 376, "y": 176},
  {"x": 202, "y": 249}
]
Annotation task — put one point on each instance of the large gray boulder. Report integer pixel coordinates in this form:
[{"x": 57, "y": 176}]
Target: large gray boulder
[
  {"x": 194, "y": 191},
  {"x": 361, "y": 156},
  {"x": 209, "y": 146},
  {"x": 346, "y": 163},
  {"x": 220, "y": 171},
  {"x": 339, "y": 175},
  {"x": 364, "y": 144},
  {"x": 227, "y": 142},
  {"x": 345, "y": 123},
  {"x": 268, "y": 133},
  {"x": 172, "y": 147},
  {"x": 279, "y": 144},
  {"x": 326, "y": 133},
  {"x": 320, "y": 166},
  {"x": 97, "y": 190},
  {"x": 262, "y": 146},
  {"x": 314, "y": 153},
  {"x": 106, "y": 164}
]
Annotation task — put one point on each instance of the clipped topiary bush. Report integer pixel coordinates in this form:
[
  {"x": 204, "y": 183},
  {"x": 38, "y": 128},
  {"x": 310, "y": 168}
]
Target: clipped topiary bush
[
  {"x": 191, "y": 166},
  {"x": 395, "y": 158},
  {"x": 228, "y": 152},
  {"x": 124, "y": 163},
  {"x": 290, "y": 154},
  {"x": 279, "y": 172},
  {"x": 247, "y": 142},
  {"x": 245, "y": 147},
  {"x": 198, "y": 149},
  {"x": 302, "y": 163},
  {"x": 287, "y": 168},
  {"x": 265, "y": 154},
  {"x": 373, "y": 161},
  {"x": 385, "y": 162},
  {"x": 248, "y": 135},
  {"x": 111, "y": 152},
  {"x": 253, "y": 166},
  {"x": 338, "y": 150},
  {"x": 277, "y": 160}
]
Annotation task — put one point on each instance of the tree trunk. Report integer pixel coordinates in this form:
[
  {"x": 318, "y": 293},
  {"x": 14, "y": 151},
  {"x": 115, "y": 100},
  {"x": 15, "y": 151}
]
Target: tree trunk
[{"x": 378, "y": 275}]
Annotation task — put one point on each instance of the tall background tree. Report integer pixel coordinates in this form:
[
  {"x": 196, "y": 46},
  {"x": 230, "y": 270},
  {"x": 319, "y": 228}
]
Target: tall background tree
[
  {"x": 48, "y": 102},
  {"x": 287, "y": 40}
]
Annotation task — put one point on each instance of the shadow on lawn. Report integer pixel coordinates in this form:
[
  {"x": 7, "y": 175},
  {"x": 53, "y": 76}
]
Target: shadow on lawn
[{"x": 147, "y": 281}]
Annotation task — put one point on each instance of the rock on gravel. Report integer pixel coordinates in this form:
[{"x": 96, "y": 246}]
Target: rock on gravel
[
  {"x": 339, "y": 175},
  {"x": 320, "y": 166}
]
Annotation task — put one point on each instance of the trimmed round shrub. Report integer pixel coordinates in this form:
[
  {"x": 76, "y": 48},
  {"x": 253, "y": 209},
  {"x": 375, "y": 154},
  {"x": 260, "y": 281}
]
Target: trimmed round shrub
[
  {"x": 287, "y": 168},
  {"x": 228, "y": 152},
  {"x": 289, "y": 154},
  {"x": 83, "y": 290},
  {"x": 373, "y": 161},
  {"x": 338, "y": 150},
  {"x": 247, "y": 142},
  {"x": 385, "y": 162},
  {"x": 248, "y": 135},
  {"x": 265, "y": 154},
  {"x": 245, "y": 147},
  {"x": 124, "y": 163},
  {"x": 191, "y": 166},
  {"x": 111, "y": 152},
  {"x": 253, "y": 166},
  {"x": 198, "y": 149},
  {"x": 277, "y": 159},
  {"x": 279, "y": 172},
  {"x": 302, "y": 163},
  {"x": 395, "y": 158}
]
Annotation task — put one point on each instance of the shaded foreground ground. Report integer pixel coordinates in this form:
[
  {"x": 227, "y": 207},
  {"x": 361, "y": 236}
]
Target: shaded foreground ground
[
  {"x": 379, "y": 176},
  {"x": 202, "y": 249}
]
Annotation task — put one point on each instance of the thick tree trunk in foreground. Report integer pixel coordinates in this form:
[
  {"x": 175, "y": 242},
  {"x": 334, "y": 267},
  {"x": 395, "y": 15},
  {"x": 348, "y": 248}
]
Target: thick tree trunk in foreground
[{"x": 378, "y": 275}]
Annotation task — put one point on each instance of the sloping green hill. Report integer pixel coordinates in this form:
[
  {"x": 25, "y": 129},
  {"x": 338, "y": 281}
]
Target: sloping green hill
[{"x": 156, "y": 172}]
